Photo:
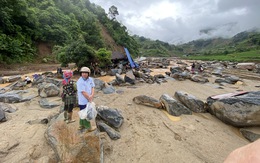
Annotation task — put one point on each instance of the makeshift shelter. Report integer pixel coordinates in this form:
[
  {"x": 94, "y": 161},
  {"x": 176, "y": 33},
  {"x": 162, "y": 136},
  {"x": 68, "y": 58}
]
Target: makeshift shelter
[{"x": 118, "y": 56}]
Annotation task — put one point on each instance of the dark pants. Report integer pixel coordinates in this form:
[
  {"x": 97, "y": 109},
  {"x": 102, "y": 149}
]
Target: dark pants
[
  {"x": 68, "y": 108},
  {"x": 28, "y": 81}
]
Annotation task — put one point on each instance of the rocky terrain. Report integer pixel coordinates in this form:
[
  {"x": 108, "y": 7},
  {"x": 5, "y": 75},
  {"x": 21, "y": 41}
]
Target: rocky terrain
[{"x": 147, "y": 134}]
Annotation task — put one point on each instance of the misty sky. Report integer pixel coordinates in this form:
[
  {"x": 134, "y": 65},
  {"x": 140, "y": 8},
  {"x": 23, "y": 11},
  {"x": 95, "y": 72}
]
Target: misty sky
[{"x": 180, "y": 21}]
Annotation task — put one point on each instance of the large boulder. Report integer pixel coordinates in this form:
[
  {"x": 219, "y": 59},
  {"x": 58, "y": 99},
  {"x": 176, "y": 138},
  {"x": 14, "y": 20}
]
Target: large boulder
[
  {"x": 199, "y": 79},
  {"x": 7, "y": 108},
  {"x": 44, "y": 103},
  {"x": 240, "y": 110},
  {"x": 173, "y": 106},
  {"x": 247, "y": 66},
  {"x": 119, "y": 79},
  {"x": 113, "y": 134},
  {"x": 48, "y": 90},
  {"x": 71, "y": 145},
  {"x": 228, "y": 79},
  {"x": 11, "y": 98},
  {"x": 99, "y": 84},
  {"x": 175, "y": 69},
  {"x": 17, "y": 96},
  {"x": 190, "y": 101},
  {"x": 112, "y": 116},
  {"x": 116, "y": 71},
  {"x": 129, "y": 77},
  {"x": 148, "y": 101},
  {"x": 14, "y": 78}
]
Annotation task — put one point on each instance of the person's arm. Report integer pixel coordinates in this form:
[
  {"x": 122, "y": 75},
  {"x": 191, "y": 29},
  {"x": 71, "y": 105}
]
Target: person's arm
[
  {"x": 92, "y": 94},
  {"x": 249, "y": 153},
  {"x": 87, "y": 96}
]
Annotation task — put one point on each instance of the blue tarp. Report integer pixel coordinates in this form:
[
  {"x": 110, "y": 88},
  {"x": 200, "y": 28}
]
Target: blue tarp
[{"x": 131, "y": 61}]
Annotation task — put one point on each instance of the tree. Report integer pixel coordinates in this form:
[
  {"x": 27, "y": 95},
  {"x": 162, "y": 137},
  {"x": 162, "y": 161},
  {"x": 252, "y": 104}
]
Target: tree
[
  {"x": 81, "y": 54},
  {"x": 104, "y": 57},
  {"x": 113, "y": 12},
  {"x": 73, "y": 27},
  {"x": 16, "y": 29}
]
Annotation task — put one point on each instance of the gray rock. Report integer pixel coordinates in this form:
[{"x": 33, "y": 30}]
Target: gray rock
[
  {"x": 2, "y": 115},
  {"x": 111, "y": 116},
  {"x": 116, "y": 71},
  {"x": 246, "y": 66},
  {"x": 148, "y": 101},
  {"x": 251, "y": 133},
  {"x": 232, "y": 79},
  {"x": 108, "y": 89},
  {"x": 99, "y": 84},
  {"x": 113, "y": 134},
  {"x": 190, "y": 101},
  {"x": 10, "y": 98},
  {"x": 200, "y": 79},
  {"x": 175, "y": 69},
  {"x": 7, "y": 108},
  {"x": 14, "y": 78},
  {"x": 119, "y": 79},
  {"x": 217, "y": 72},
  {"x": 44, "y": 103},
  {"x": 173, "y": 106},
  {"x": 1, "y": 80},
  {"x": 240, "y": 110},
  {"x": 48, "y": 90},
  {"x": 129, "y": 77}
]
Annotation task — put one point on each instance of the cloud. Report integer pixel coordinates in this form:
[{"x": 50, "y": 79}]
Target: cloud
[{"x": 179, "y": 21}]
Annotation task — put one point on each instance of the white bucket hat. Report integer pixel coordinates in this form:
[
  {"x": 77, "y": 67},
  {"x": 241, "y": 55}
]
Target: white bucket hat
[{"x": 85, "y": 69}]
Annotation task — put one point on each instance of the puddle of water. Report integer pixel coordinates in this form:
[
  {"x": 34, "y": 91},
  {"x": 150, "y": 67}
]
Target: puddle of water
[
  {"x": 4, "y": 85},
  {"x": 159, "y": 71},
  {"x": 107, "y": 78},
  {"x": 171, "y": 117}
]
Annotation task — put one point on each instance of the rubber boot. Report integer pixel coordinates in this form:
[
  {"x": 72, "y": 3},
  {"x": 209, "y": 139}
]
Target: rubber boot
[
  {"x": 83, "y": 123},
  {"x": 93, "y": 125},
  {"x": 70, "y": 118},
  {"x": 81, "y": 128},
  {"x": 65, "y": 115}
]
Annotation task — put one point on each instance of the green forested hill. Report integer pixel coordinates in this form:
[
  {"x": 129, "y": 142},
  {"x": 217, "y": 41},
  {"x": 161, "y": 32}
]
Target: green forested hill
[
  {"x": 71, "y": 28},
  {"x": 157, "y": 48},
  {"x": 243, "y": 47},
  {"x": 245, "y": 44},
  {"x": 241, "y": 42}
]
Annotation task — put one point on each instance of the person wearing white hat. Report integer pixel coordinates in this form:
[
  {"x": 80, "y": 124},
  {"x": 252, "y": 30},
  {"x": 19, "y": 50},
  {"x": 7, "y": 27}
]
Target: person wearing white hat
[{"x": 85, "y": 91}]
